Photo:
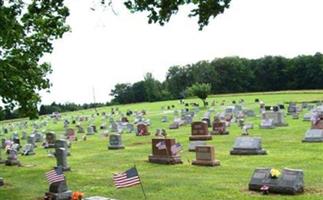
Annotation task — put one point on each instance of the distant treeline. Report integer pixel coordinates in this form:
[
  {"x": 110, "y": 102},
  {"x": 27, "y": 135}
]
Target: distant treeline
[
  {"x": 227, "y": 75},
  {"x": 6, "y": 114}
]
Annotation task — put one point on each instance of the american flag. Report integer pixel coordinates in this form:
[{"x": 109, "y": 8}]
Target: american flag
[
  {"x": 55, "y": 175},
  {"x": 126, "y": 179},
  {"x": 161, "y": 145},
  {"x": 176, "y": 148}
]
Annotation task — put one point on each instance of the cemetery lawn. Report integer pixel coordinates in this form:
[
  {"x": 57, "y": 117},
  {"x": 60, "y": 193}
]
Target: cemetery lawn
[{"x": 92, "y": 163}]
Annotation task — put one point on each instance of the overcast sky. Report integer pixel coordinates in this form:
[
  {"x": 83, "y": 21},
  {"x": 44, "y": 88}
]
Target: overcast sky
[{"x": 104, "y": 49}]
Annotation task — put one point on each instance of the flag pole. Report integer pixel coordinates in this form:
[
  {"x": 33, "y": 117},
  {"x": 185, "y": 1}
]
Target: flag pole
[{"x": 142, "y": 188}]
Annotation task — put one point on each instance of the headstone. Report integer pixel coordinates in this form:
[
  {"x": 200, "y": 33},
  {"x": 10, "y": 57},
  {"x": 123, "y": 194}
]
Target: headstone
[
  {"x": 24, "y": 135},
  {"x": 174, "y": 125},
  {"x": 32, "y": 140},
  {"x": 194, "y": 144},
  {"x": 219, "y": 127},
  {"x": 58, "y": 191},
  {"x": 277, "y": 117},
  {"x": 70, "y": 134},
  {"x": 80, "y": 129},
  {"x": 165, "y": 151},
  {"x": 130, "y": 128},
  {"x": 39, "y": 137},
  {"x": 160, "y": 133},
  {"x": 12, "y": 158},
  {"x": 307, "y": 117},
  {"x": 114, "y": 127},
  {"x": 291, "y": 181},
  {"x": 142, "y": 130},
  {"x": 164, "y": 119},
  {"x": 267, "y": 124},
  {"x": 90, "y": 130},
  {"x": 199, "y": 131},
  {"x": 205, "y": 156},
  {"x": 50, "y": 140},
  {"x": 292, "y": 108},
  {"x": 61, "y": 158},
  {"x": 249, "y": 113},
  {"x": 61, "y": 143},
  {"x": 247, "y": 146},
  {"x": 28, "y": 150},
  {"x": 295, "y": 116},
  {"x": 115, "y": 142},
  {"x": 314, "y": 135}
]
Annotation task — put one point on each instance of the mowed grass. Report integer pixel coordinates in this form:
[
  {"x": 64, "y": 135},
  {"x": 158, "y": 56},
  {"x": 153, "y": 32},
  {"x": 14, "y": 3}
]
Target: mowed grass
[{"x": 93, "y": 164}]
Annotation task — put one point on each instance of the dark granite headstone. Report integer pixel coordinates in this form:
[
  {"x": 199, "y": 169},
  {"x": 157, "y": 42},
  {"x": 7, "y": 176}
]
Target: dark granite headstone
[
  {"x": 290, "y": 181},
  {"x": 247, "y": 146},
  {"x": 61, "y": 143},
  {"x": 115, "y": 142},
  {"x": 58, "y": 191},
  {"x": 50, "y": 140},
  {"x": 61, "y": 158}
]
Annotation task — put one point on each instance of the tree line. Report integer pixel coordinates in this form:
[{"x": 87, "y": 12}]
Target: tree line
[{"x": 227, "y": 75}]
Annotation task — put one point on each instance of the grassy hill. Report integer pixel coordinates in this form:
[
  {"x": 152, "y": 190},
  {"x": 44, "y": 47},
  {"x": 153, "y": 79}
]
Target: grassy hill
[{"x": 93, "y": 164}]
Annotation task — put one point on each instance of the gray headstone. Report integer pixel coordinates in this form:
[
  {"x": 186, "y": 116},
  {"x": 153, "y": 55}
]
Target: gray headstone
[
  {"x": 314, "y": 135},
  {"x": 247, "y": 146}
]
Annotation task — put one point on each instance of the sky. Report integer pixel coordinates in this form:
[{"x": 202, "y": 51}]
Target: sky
[{"x": 105, "y": 48}]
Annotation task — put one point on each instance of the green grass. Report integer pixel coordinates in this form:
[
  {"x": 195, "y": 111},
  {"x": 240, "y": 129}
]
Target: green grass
[{"x": 92, "y": 164}]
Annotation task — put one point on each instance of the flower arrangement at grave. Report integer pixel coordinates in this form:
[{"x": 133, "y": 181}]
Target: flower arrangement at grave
[
  {"x": 77, "y": 196},
  {"x": 274, "y": 173}
]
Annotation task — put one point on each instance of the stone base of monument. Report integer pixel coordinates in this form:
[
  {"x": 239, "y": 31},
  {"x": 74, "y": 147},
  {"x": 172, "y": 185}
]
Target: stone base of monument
[
  {"x": 65, "y": 169},
  {"x": 313, "y": 135},
  {"x": 12, "y": 162},
  {"x": 170, "y": 160},
  {"x": 58, "y": 196},
  {"x": 248, "y": 152},
  {"x": 206, "y": 163},
  {"x": 50, "y": 146},
  {"x": 219, "y": 133},
  {"x": 115, "y": 147},
  {"x": 200, "y": 137},
  {"x": 291, "y": 181},
  {"x": 267, "y": 127},
  {"x": 28, "y": 154},
  {"x": 281, "y": 124}
]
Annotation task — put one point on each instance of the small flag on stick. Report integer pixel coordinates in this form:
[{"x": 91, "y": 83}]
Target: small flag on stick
[
  {"x": 126, "y": 179},
  {"x": 55, "y": 175},
  {"x": 161, "y": 145},
  {"x": 176, "y": 148}
]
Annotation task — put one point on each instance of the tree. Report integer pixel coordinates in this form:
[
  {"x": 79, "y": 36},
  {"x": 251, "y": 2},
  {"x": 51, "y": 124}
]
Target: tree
[
  {"x": 27, "y": 31},
  {"x": 160, "y": 11},
  {"x": 201, "y": 90}
]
